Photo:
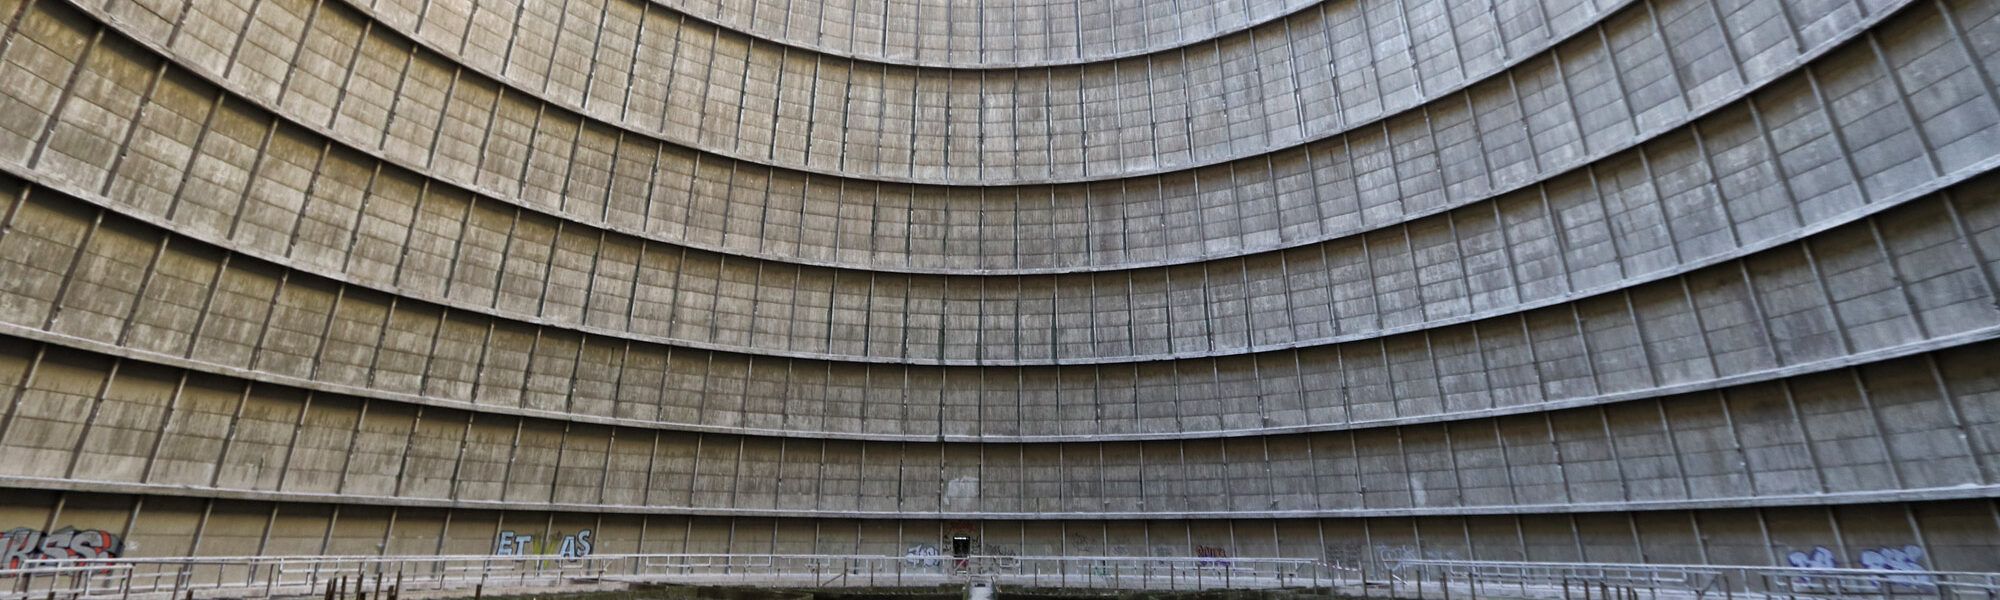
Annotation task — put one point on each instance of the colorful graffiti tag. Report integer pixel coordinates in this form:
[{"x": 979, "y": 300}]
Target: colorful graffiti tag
[
  {"x": 1819, "y": 558},
  {"x": 1906, "y": 558},
  {"x": 21, "y": 545},
  {"x": 1217, "y": 556}
]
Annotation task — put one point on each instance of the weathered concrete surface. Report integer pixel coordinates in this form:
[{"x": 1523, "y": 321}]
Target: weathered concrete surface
[{"x": 1669, "y": 281}]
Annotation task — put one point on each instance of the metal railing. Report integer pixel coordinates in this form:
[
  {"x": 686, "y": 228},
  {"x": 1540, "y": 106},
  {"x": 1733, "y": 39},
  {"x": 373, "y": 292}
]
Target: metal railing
[
  {"x": 1432, "y": 578},
  {"x": 391, "y": 577},
  {"x": 1108, "y": 572},
  {"x": 388, "y": 577}
]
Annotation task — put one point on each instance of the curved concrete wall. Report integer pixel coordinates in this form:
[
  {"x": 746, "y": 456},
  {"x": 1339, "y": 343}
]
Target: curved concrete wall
[
  {"x": 1903, "y": 428},
  {"x": 717, "y": 91},
  {"x": 1370, "y": 173},
  {"x": 1308, "y": 278},
  {"x": 156, "y": 294},
  {"x": 981, "y": 34}
]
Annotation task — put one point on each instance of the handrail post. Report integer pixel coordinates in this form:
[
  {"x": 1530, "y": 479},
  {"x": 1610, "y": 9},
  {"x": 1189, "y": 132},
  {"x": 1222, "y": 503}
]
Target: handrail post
[
  {"x": 125, "y": 586},
  {"x": 177, "y": 581}
]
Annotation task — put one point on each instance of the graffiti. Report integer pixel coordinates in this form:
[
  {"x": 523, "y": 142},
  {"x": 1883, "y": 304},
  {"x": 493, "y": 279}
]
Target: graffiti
[
  {"x": 572, "y": 546},
  {"x": 1906, "y": 558},
  {"x": 575, "y": 546},
  {"x": 922, "y": 555},
  {"x": 1389, "y": 557},
  {"x": 1215, "y": 555},
  {"x": 512, "y": 544},
  {"x": 1820, "y": 558},
  {"x": 1004, "y": 556},
  {"x": 21, "y": 544},
  {"x": 983, "y": 549},
  {"x": 1078, "y": 544},
  {"x": 1392, "y": 557},
  {"x": 1001, "y": 557},
  {"x": 1346, "y": 555}
]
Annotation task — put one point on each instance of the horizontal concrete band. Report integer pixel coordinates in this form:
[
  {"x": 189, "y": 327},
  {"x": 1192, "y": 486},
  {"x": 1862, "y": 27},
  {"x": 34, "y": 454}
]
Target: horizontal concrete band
[
  {"x": 718, "y": 92},
  {"x": 745, "y": 227},
  {"x": 1911, "y": 425},
  {"x": 576, "y": 296},
  {"x": 267, "y": 499},
  {"x": 869, "y": 420},
  {"x": 309, "y": 184},
  {"x": 1208, "y": 319},
  {"x": 1891, "y": 279},
  {"x": 1304, "y": 297},
  {"x": 1004, "y": 112},
  {"x": 1953, "y": 534},
  {"x": 373, "y": 141},
  {"x": 962, "y": 35}
]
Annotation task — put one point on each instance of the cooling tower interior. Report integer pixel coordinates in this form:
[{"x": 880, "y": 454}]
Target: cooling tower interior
[{"x": 1692, "y": 282}]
